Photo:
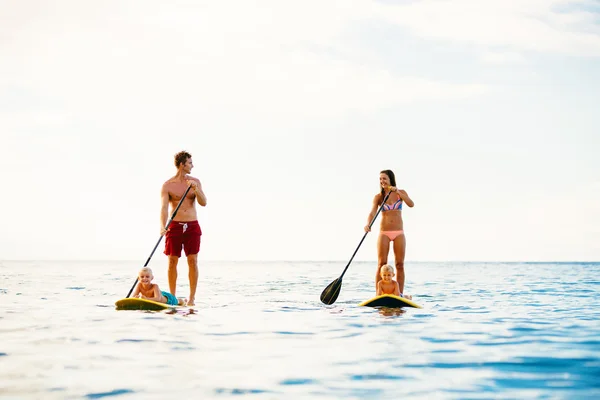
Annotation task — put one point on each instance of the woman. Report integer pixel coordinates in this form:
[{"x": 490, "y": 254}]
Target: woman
[{"x": 392, "y": 229}]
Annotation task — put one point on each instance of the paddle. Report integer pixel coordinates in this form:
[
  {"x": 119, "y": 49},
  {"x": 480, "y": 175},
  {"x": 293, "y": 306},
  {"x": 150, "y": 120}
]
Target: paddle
[
  {"x": 332, "y": 291},
  {"x": 161, "y": 236}
]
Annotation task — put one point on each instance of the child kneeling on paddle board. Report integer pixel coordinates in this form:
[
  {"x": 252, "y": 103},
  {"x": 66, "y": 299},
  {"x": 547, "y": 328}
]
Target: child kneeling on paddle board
[
  {"x": 145, "y": 289},
  {"x": 387, "y": 284}
]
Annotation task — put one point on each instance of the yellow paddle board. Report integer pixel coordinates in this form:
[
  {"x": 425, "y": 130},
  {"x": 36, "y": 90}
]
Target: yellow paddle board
[
  {"x": 389, "y": 300},
  {"x": 132, "y": 303}
]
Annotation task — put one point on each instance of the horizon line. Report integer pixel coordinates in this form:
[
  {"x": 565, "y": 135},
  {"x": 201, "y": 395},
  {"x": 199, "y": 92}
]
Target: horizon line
[{"x": 324, "y": 261}]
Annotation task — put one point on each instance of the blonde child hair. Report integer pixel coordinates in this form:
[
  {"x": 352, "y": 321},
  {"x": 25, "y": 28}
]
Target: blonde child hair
[
  {"x": 146, "y": 269},
  {"x": 387, "y": 267}
]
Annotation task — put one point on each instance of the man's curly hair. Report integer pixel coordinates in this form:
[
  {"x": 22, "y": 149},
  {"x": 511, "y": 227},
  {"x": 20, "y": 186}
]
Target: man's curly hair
[{"x": 181, "y": 158}]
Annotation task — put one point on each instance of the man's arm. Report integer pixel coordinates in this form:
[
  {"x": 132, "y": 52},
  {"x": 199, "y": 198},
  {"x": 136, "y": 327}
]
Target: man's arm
[
  {"x": 197, "y": 188},
  {"x": 164, "y": 208}
]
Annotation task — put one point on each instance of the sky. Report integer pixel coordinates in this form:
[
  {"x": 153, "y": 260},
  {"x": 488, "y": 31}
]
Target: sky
[{"x": 487, "y": 112}]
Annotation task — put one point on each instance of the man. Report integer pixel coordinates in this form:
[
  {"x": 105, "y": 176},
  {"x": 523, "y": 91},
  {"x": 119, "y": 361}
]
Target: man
[{"x": 184, "y": 231}]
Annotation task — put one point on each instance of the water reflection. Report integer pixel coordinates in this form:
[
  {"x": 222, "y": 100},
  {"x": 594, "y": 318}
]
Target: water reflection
[{"x": 391, "y": 312}]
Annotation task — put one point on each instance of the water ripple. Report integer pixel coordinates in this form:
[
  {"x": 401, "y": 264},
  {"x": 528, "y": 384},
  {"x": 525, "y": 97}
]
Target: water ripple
[
  {"x": 487, "y": 330},
  {"x": 116, "y": 392}
]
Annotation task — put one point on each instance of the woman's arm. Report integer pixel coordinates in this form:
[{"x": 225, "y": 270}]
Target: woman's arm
[
  {"x": 404, "y": 196},
  {"x": 374, "y": 208}
]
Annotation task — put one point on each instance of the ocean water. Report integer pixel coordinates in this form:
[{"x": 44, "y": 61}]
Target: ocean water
[{"x": 259, "y": 331}]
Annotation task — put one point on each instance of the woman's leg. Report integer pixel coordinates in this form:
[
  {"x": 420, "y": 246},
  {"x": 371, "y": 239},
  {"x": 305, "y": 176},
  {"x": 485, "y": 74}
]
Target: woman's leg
[
  {"x": 399, "y": 250},
  {"x": 383, "y": 248}
]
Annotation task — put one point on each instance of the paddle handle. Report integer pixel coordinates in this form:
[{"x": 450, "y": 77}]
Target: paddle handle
[
  {"x": 365, "y": 235},
  {"x": 161, "y": 236}
]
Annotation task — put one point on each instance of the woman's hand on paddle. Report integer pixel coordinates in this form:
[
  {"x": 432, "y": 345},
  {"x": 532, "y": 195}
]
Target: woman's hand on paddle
[
  {"x": 367, "y": 228},
  {"x": 163, "y": 231},
  {"x": 392, "y": 188}
]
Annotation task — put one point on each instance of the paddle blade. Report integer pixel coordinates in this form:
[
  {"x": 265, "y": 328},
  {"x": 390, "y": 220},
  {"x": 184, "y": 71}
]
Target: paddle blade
[{"x": 331, "y": 292}]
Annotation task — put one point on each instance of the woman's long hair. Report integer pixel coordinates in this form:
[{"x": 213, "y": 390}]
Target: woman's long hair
[{"x": 392, "y": 177}]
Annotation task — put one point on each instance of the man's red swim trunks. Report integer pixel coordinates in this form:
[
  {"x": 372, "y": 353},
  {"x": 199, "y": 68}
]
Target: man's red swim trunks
[{"x": 184, "y": 235}]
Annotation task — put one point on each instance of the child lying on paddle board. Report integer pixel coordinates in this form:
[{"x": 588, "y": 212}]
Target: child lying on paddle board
[
  {"x": 145, "y": 289},
  {"x": 387, "y": 284}
]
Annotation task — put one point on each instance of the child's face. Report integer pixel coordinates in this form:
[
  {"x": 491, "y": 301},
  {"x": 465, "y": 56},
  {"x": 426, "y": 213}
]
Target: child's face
[
  {"x": 387, "y": 275},
  {"x": 145, "y": 277}
]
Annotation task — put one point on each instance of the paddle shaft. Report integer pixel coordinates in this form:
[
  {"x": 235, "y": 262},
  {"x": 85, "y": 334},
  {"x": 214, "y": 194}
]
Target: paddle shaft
[
  {"x": 161, "y": 236},
  {"x": 365, "y": 235}
]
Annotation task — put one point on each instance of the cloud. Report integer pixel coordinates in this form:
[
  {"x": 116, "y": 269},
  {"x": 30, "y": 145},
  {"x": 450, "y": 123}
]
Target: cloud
[
  {"x": 502, "y": 57},
  {"x": 210, "y": 56},
  {"x": 547, "y": 26},
  {"x": 118, "y": 57}
]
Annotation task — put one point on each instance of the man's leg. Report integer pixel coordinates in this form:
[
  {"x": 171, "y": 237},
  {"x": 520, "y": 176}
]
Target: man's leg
[
  {"x": 173, "y": 274},
  {"x": 192, "y": 260},
  {"x": 173, "y": 246}
]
